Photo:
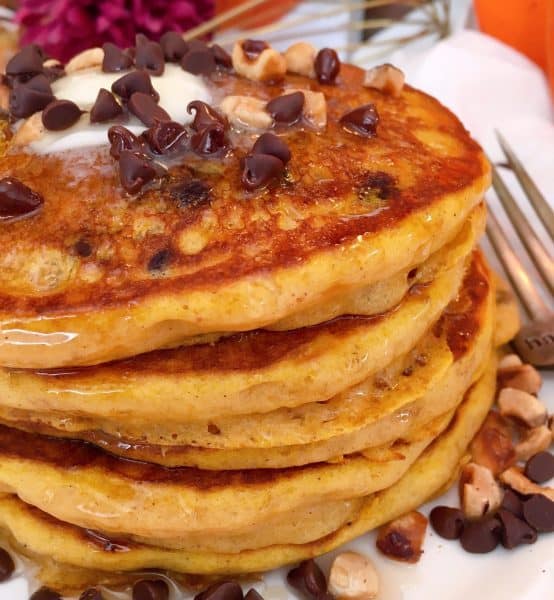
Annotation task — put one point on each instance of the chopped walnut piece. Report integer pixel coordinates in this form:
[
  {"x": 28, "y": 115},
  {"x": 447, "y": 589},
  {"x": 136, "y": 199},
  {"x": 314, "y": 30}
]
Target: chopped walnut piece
[
  {"x": 386, "y": 78},
  {"x": 479, "y": 492},
  {"x": 92, "y": 57},
  {"x": 353, "y": 577},
  {"x": 492, "y": 447},
  {"x": 52, "y": 62},
  {"x": 514, "y": 478},
  {"x": 267, "y": 65},
  {"x": 536, "y": 440},
  {"x": 315, "y": 107},
  {"x": 300, "y": 59},
  {"x": 246, "y": 111},
  {"x": 509, "y": 361},
  {"x": 520, "y": 377},
  {"x": 31, "y": 130},
  {"x": 522, "y": 405},
  {"x": 402, "y": 539}
]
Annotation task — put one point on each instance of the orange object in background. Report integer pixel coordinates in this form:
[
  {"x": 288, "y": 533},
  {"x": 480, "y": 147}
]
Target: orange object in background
[{"x": 261, "y": 15}]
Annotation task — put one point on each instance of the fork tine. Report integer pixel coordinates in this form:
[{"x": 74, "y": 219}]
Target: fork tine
[
  {"x": 533, "y": 245},
  {"x": 521, "y": 282},
  {"x": 537, "y": 200}
]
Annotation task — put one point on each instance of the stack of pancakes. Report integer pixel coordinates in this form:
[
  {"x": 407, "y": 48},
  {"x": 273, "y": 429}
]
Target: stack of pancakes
[{"x": 245, "y": 380}]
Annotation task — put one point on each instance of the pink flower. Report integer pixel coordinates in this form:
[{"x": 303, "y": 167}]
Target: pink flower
[{"x": 65, "y": 27}]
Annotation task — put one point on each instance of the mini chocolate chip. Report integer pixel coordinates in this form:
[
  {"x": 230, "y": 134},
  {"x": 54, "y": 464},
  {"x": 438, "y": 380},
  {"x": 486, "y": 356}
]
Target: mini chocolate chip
[
  {"x": 512, "y": 502},
  {"x": 199, "y": 62},
  {"x": 253, "y": 594},
  {"x": 105, "y": 108},
  {"x": 40, "y": 83},
  {"x": 17, "y": 200},
  {"x": 45, "y": 593},
  {"x": 28, "y": 60},
  {"x": 540, "y": 467},
  {"x": 377, "y": 183},
  {"x": 135, "y": 81},
  {"x": 159, "y": 261},
  {"x": 209, "y": 140},
  {"x": 222, "y": 57},
  {"x": 91, "y": 594},
  {"x": 173, "y": 45},
  {"x": 361, "y": 121},
  {"x": 83, "y": 248},
  {"x": 197, "y": 45},
  {"x": 480, "y": 537},
  {"x": 135, "y": 170},
  {"x": 60, "y": 115},
  {"x": 396, "y": 545},
  {"x": 269, "y": 143},
  {"x": 150, "y": 57},
  {"x": 25, "y": 101},
  {"x": 165, "y": 137},
  {"x": 146, "y": 109},
  {"x": 150, "y": 589},
  {"x": 412, "y": 273},
  {"x": 447, "y": 522},
  {"x": 204, "y": 116},
  {"x": 7, "y": 566},
  {"x": 260, "y": 169},
  {"x": 327, "y": 65},
  {"x": 121, "y": 139},
  {"x": 226, "y": 590},
  {"x": 115, "y": 59},
  {"x": 515, "y": 531},
  {"x": 538, "y": 511},
  {"x": 190, "y": 193},
  {"x": 54, "y": 72},
  {"x": 286, "y": 109},
  {"x": 253, "y": 48},
  {"x": 308, "y": 579}
]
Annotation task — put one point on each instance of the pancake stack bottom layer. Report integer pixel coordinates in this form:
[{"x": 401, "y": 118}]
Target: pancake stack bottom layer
[{"x": 209, "y": 375}]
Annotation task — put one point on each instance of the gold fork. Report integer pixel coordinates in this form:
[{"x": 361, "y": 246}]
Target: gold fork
[{"x": 535, "y": 341}]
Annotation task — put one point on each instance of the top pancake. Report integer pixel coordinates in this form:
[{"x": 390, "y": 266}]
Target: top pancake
[{"x": 349, "y": 210}]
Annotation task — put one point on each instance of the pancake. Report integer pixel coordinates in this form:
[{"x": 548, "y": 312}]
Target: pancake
[
  {"x": 410, "y": 392},
  {"x": 238, "y": 261},
  {"x": 38, "y": 534}
]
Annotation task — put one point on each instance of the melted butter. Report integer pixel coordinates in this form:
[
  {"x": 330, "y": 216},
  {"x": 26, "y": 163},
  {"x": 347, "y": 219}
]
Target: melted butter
[{"x": 176, "y": 89}]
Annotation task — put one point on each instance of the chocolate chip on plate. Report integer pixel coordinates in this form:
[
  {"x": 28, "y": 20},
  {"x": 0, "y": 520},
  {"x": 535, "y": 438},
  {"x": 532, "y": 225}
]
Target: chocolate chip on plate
[
  {"x": 204, "y": 115},
  {"x": 150, "y": 57},
  {"x": 538, "y": 511},
  {"x": 135, "y": 81},
  {"x": 253, "y": 48},
  {"x": 150, "y": 589},
  {"x": 327, "y": 65},
  {"x": 269, "y": 143},
  {"x": 115, "y": 59},
  {"x": 60, "y": 115},
  {"x": 135, "y": 170},
  {"x": 361, "y": 121},
  {"x": 308, "y": 579},
  {"x": 199, "y": 62},
  {"x": 222, "y": 59},
  {"x": 17, "y": 200},
  {"x": 147, "y": 109},
  {"x": 480, "y": 537},
  {"x": 91, "y": 594},
  {"x": 24, "y": 101},
  {"x": 253, "y": 594},
  {"x": 540, "y": 467},
  {"x": 286, "y": 109},
  {"x": 209, "y": 141},
  {"x": 121, "y": 139},
  {"x": 512, "y": 502},
  {"x": 105, "y": 108},
  {"x": 173, "y": 45},
  {"x": 260, "y": 169},
  {"x": 447, "y": 522},
  {"x": 165, "y": 137},
  {"x": 27, "y": 61},
  {"x": 45, "y": 593},
  {"x": 226, "y": 590},
  {"x": 515, "y": 531},
  {"x": 7, "y": 566}
]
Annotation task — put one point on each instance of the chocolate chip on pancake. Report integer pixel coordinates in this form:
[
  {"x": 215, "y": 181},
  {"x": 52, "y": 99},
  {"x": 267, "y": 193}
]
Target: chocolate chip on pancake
[
  {"x": 91, "y": 594},
  {"x": 105, "y": 108},
  {"x": 45, "y": 593},
  {"x": 25, "y": 101},
  {"x": 60, "y": 115},
  {"x": 121, "y": 139},
  {"x": 376, "y": 183},
  {"x": 136, "y": 81},
  {"x": 28, "y": 61},
  {"x": 54, "y": 72},
  {"x": 135, "y": 170},
  {"x": 193, "y": 192},
  {"x": 512, "y": 502},
  {"x": 253, "y": 48},
  {"x": 327, "y": 65},
  {"x": 480, "y": 537},
  {"x": 269, "y": 143},
  {"x": 150, "y": 57},
  {"x": 147, "y": 109},
  {"x": 199, "y": 62},
  {"x": 160, "y": 260},
  {"x": 7, "y": 566},
  {"x": 173, "y": 46},
  {"x": 164, "y": 137},
  {"x": 204, "y": 115},
  {"x": 226, "y": 590},
  {"x": 447, "y": 522},
  {"x": 540, "y": 467},
  {"x": 40, "y": 83},
  {"x": 286, "y": 109},
  {"x": 222, "y": 57},
  {"x": 115, "y": 59},
  {"x": 150, "y": 589},
  {"x": 260, "y": 169},
  {"x": 17, "y": 200},
  {"x": 308, "y": 579},
  {"x": 515, "y": 531},
  {"x": 538, "y": 511},
  {"x": 83, "y": 248},
  {"x": 209, "y": 141},
  {"x": 361, "y": 121}
]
